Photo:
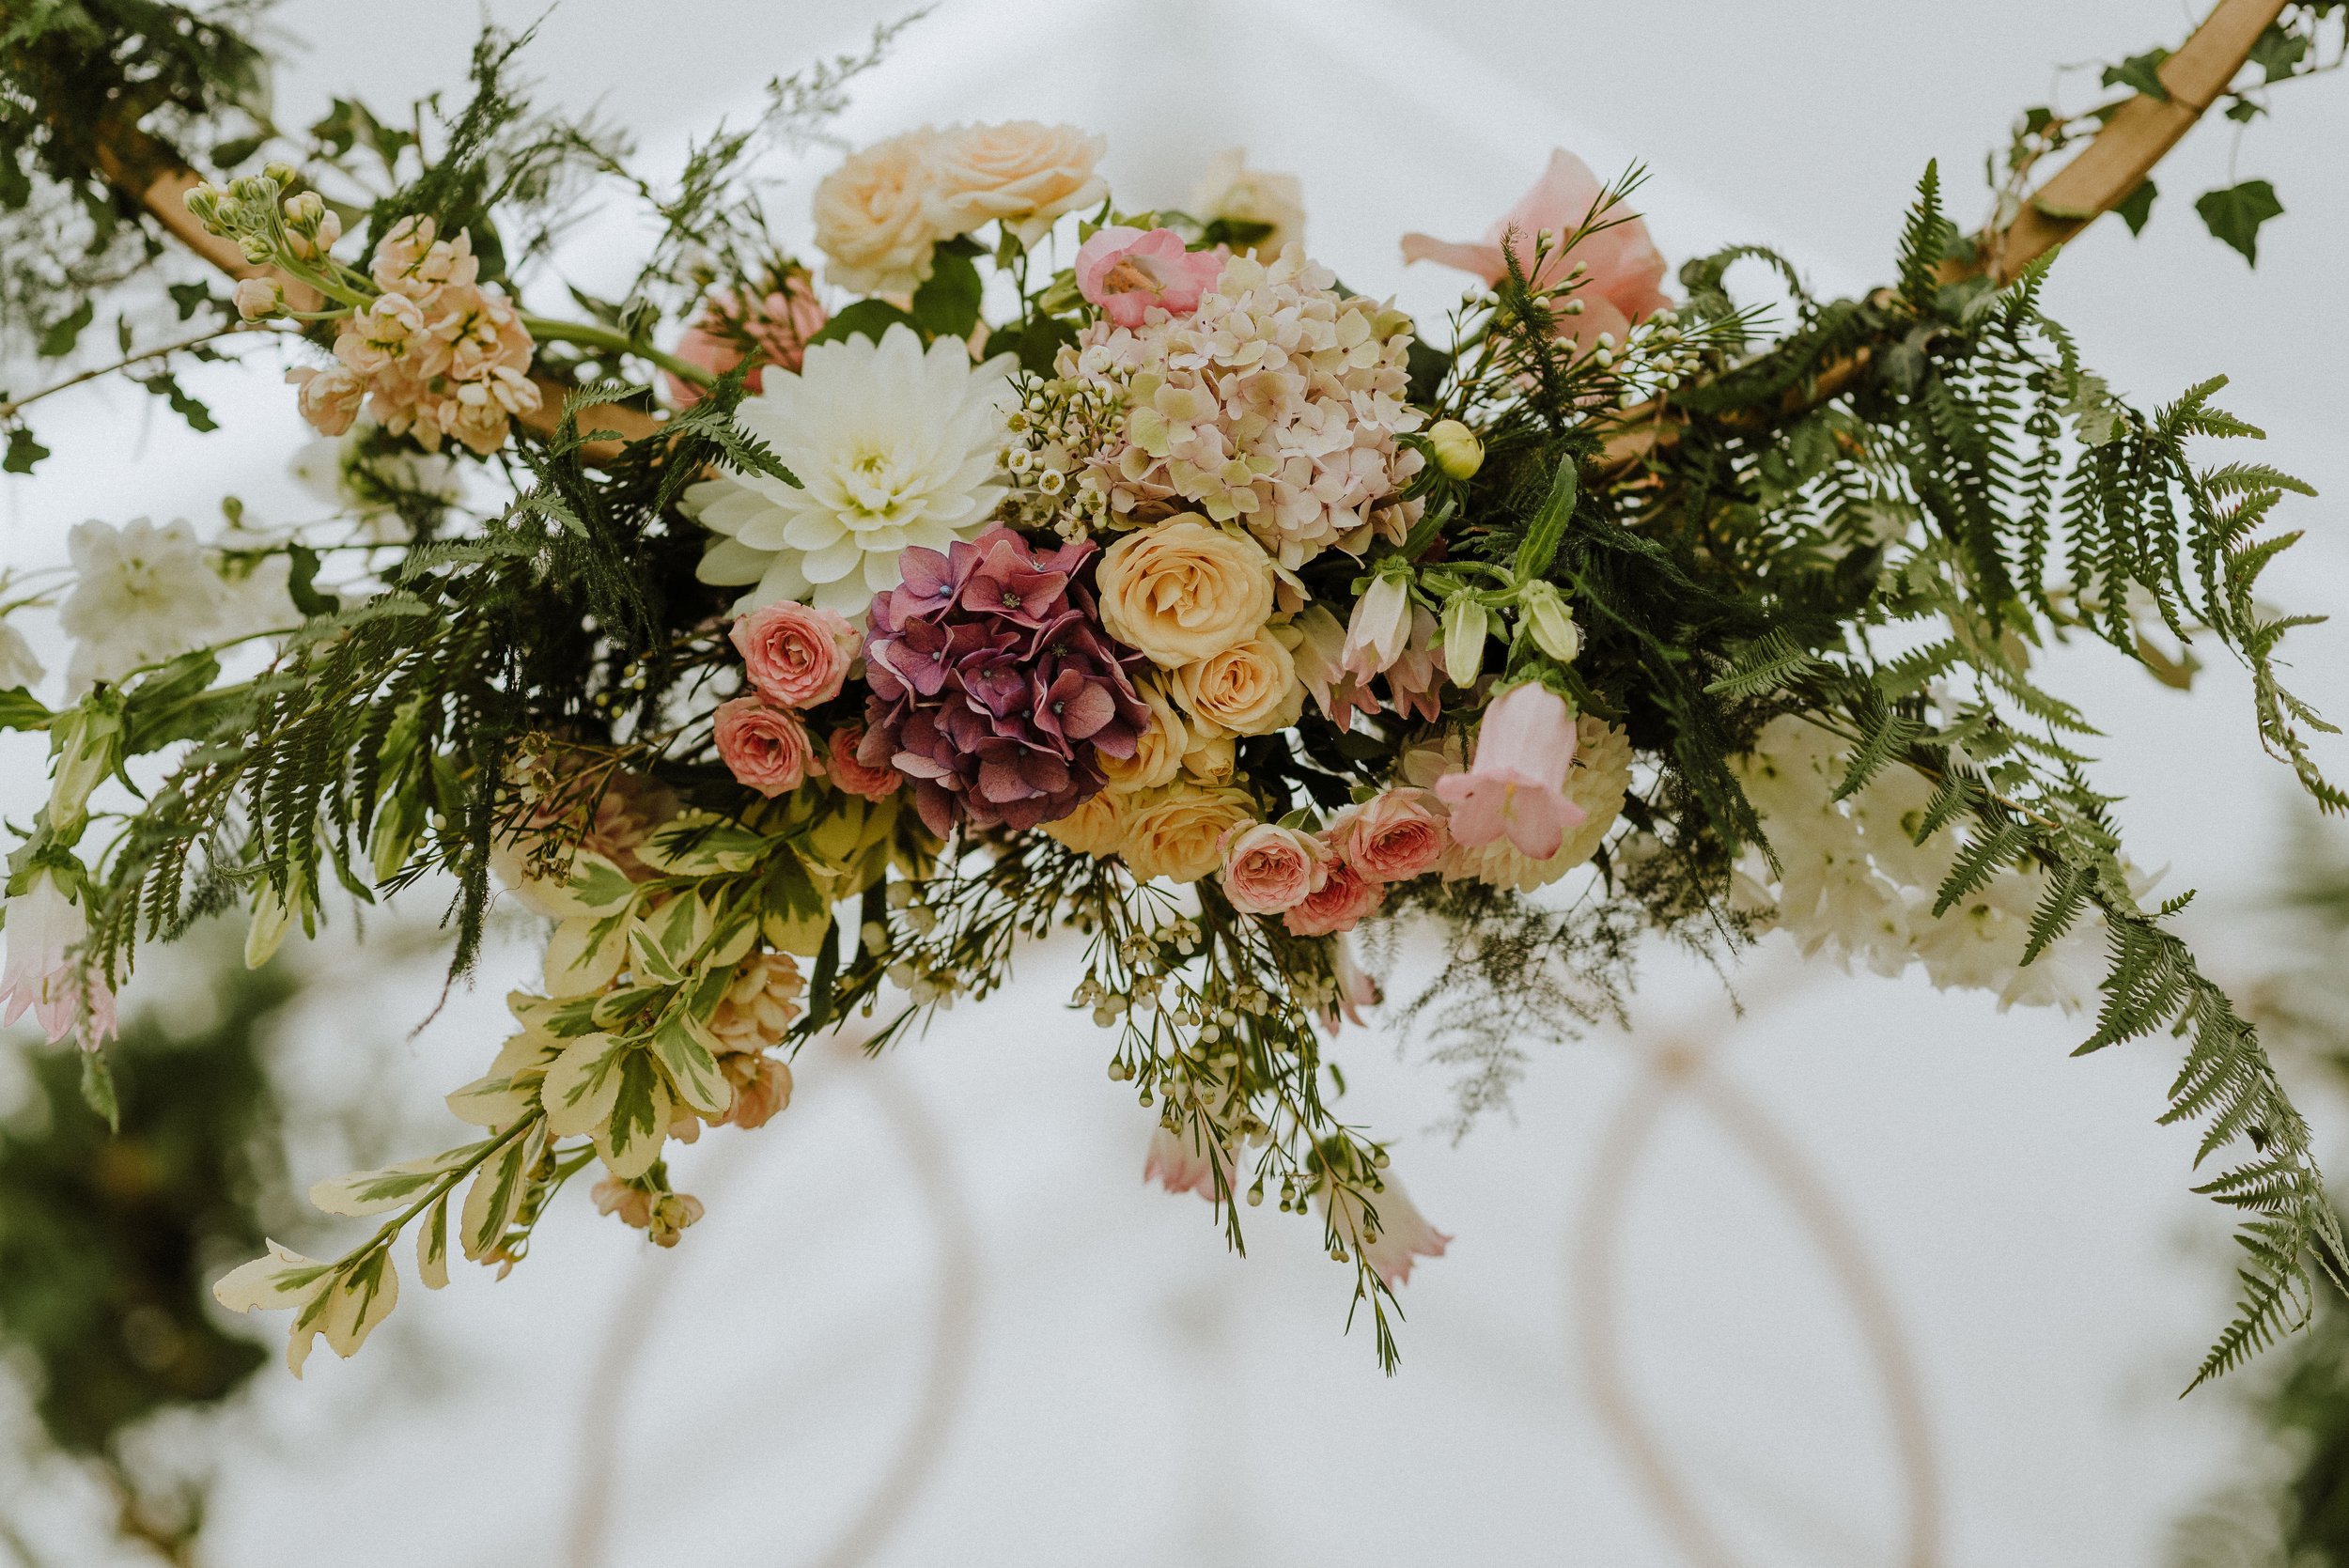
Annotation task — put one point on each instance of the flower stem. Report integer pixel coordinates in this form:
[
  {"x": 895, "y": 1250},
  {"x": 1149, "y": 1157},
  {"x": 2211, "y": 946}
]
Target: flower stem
[{"x": 548, "y": 330}]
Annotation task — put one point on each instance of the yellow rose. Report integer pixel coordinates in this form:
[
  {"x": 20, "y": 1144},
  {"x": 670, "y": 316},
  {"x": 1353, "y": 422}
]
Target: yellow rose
[
  {"x": 1022, "y": 173},
  {"x": 1210, "y": 759},
  {"x": 1095, "y": 828},
  {"x": 1183, "y": 591},
  {"x": 1158, "y": 753},
  {"x": 871, "y": 222},
  {"x": 1178, "y": 832},
  {"x": 1249, "y": 689}
]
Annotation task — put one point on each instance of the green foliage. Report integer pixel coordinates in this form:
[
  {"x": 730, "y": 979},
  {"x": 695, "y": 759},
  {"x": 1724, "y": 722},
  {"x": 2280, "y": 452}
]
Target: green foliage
[{"x": 2235, "y": 214}]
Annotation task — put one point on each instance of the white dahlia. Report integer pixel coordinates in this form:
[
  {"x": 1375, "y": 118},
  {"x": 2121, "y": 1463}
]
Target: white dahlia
[{"x": 893, "y": 447}]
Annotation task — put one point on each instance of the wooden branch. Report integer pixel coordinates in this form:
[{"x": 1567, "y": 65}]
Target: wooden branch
[{"x": 2102, "y": 174}]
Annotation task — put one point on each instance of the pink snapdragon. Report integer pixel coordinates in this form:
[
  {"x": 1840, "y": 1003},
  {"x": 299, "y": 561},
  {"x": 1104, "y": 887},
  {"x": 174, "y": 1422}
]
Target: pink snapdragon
[
  {"x": 1623, "y": 269},
  {"x": 1269, "y": 868},
  {"x": 1393, "y": 836},
  {"x": 795, "y": 655},
  {"x": 1345, "y": 896},
  {"x": 764, "y": 748},
  {"x": 1516, "y": 785},
  {"x": 1128, "y": 273},
  {"x": 724, "y": 334}
]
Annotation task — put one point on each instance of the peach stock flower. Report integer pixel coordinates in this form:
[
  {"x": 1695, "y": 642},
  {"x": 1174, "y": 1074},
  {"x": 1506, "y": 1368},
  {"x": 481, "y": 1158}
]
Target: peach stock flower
[
  {"x": 1269, "y": 868},
  {"x": 1516, "y": 787},
  {"x": 764, "y": 746},
  {"x": 795, "y": 655},
  {"x": 1624, "y": 269},
  {"x": 1130, "y": 274}
]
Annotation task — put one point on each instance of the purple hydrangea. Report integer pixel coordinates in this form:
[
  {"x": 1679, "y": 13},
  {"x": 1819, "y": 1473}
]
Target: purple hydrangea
[{"x": 993, "y": 686}]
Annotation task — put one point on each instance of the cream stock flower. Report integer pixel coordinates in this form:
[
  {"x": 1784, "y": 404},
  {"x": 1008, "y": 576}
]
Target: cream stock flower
[
  {"x": 1183, "y": 591},
  {"x": 1177, "y": 833},
  {"x": 1021, "y": 174},
  {"x": 1250, "y": 689},
  {"x": 871, "y": 221}
]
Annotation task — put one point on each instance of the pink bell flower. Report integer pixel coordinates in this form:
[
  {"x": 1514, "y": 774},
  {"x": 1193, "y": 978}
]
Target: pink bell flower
[
  {"x": 1388, "y": 1230},
  {"x": 1624, "y": 271},
  {"x": 44, "y": 927},
  {"x": 1516, "y": 785}
]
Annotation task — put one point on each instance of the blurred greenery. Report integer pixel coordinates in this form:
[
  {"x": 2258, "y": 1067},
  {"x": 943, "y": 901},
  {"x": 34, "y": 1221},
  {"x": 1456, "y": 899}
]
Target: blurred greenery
[
  {"x": 108, "y": 1243},
  {"x": 2290, "y": 1510}
]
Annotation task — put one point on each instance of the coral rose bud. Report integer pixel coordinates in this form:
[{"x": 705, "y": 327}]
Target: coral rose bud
[
  {"x": 795, "y": 655},
  {"x": 849, "y": 771},
  {"x": 764, "y": 748},
  {"x": 1458, "y": 452},
  {"x": 1392, "y": 837},
  {"x": 1269, "y": 868},
  {"x": 1345, "y": 896}
]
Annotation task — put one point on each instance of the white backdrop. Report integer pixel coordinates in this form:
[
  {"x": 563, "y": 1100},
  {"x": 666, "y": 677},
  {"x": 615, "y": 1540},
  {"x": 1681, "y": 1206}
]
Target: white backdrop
[{"x": 1116, "y": 1388}]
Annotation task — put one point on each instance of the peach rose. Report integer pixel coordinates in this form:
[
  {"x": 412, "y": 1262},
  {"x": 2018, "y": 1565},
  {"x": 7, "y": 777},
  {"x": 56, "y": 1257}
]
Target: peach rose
[
  {"x": 1392, "y": 837},
  {"x": 1345, "y": 896},
  {"x": 1096, "y": 828},
  {"x": 1158, "y": 750},
  {"x": 1178, "y": 832},
  {"x": 1183, "y": 591},
  {"x": 795, "y": 655},
  {"x": 1251, "y": 689},
  {"x": 1022, "y": 173},
  {"x": 763, "y": 747},
  {"x": 845, "y": 770},
  {"x": 1268, "y": 868},
  {"x": 870, "y": 221}
]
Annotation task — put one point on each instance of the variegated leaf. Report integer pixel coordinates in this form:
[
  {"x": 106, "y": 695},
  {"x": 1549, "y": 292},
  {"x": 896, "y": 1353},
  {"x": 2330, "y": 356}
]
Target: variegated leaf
[
  {"x": 280, "y": 1278},
  {"x": 585, "y": 954},
  {"x": 701, "y": 843},
  {"x": 582, "y": 1084},
  {"x": 496, "y": 1194},
  {"x": 496, "y": 1102},
  {"x": 362, "y": 1297},
  {"x": 640, "y": 1114},
  {"x": 432, "y": 1244},
  {"x": 664, "y": 942},
  {"x": 374, "y": 1192},
  {"x": 692, "y": 1069},
  {"x": 595, "y": 886}
]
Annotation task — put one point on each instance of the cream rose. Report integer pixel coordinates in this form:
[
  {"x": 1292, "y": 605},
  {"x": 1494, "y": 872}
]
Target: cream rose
[
  {"x": 1249, "y": 689},
  {"x": 1178, "y": 831},
  {"x": 1158, "y": 750},
  {"x": 1211, "y": 759},
  {"x": 871, "y": 219},
  {"x": 1022, "y": 173},
  {"x": 1230, "y": 190},
  {"x": 1183, "y": 591},
  {"x": 1095, "y": 828}
]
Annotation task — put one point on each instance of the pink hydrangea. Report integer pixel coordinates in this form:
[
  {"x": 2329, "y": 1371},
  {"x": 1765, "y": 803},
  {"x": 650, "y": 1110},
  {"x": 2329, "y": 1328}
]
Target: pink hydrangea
[
  {"x": 764, "y": 748},
  {"x": 1393, "y": 836},
  {"x": 1623, "y": 269},
  {"x": 1130, "y": 274},
  {"x": 795, "y": 655},
  {"x": 1269, "y": 868},
  {"x": 1345, "y": 896},
  {"x": 1516, "y": 785}
]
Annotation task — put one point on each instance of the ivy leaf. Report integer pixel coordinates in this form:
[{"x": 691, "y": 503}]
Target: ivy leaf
[
  {"x": 2140, "y": 74},
  {"x": 166, "y": 385},
  {"x": 24, "y": 451},
  {"x": 57, "y": 339},
  {"x": 2277, "y": 50},
  {"x": 867, "y": 317},
  {"x": 2138, "y": 205},
  {"x": 20, "y": 710},
  {"x": 2235, "y": 214},
  {"x": 299, "y": 578},
  {"x": 228, "y": 155}
]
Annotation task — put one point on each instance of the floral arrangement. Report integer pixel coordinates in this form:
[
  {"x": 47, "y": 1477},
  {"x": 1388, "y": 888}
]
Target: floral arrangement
[{"x": 798, "y": 643}]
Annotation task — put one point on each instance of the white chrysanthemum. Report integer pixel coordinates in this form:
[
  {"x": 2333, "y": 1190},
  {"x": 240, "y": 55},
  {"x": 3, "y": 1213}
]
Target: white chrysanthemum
[
  {"x": 893, "y": 447},
  {"x": 141, "y": 595}
]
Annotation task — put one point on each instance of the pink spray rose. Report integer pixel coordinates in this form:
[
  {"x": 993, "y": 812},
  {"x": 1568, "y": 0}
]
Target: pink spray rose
[
  {"x": 849, "y": 771},
  {"x": 1345, "y": 896},
  {"x": 1392, "y": 837},
  {"x": 778, "y": 326},
  {"x": 795, "y": 655},
  {"x": 1516, "y": 785},
  {"x": 1127, "y": 272},
  {"x": 763, "y": 747},
  {"x": 1269, "y": 868},
  {"x": 1623, "y": 268}
]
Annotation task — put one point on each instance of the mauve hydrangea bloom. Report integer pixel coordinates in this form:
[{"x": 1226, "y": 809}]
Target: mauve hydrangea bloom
[{"x": 993, "y": 685}]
